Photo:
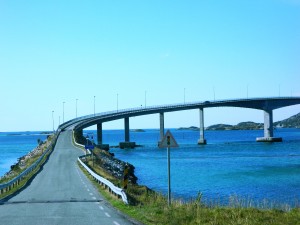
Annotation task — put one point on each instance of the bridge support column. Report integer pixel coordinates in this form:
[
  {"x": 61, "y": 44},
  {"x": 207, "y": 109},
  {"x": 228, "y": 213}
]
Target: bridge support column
[
  {"x": 100, "y": 138},
  {"x": 202, "y": 140},
  {"x": 268, "y": 128},
  {"x": 161, "y": 127},
  {"x": 127, "y": 133},
  {"x": 99, "y": 133},
  {"x": 127, "y": 143}
]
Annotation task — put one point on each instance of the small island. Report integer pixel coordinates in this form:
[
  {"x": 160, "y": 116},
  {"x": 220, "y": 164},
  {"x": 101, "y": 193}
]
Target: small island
[
  {"x": 189, "y": 128},
  {"x": 240, "y": 126},
  {"x": 138, "y": 130},
  {"x": 291, "y": 122}
]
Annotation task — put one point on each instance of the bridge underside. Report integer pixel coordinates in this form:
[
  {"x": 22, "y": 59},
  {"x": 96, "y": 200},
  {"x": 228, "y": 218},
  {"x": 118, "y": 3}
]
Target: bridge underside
[
  {"x": 265, "y": 104},
  {"x": 268, "y": 131}
]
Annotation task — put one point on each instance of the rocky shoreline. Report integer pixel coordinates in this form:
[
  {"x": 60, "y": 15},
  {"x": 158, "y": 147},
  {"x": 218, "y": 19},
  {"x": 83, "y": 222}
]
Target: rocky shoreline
[
  {"x": 114, "y": 166},
  {"x": 22, "y": 162}
]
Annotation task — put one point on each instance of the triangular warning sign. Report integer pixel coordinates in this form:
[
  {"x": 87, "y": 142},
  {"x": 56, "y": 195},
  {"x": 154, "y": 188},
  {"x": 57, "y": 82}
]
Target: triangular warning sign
[{"x": 168, "y": 141}]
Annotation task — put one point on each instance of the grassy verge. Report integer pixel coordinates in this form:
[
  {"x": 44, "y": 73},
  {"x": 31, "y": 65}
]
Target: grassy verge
[
  {"x": 150, "y": 207},
  {"x": 16, "y": 170}
]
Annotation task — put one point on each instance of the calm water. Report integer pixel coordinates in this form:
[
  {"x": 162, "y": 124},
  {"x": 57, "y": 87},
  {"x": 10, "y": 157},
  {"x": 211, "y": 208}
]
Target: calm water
[
  {"x": 232, "y": 163},
  {"x": 14, "y": 145}
]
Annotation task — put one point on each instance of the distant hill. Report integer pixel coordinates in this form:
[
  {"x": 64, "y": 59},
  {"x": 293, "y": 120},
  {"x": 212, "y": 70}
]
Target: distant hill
[
  {"x": 189, "y": 128},
  {"x": 292, "y": 122},
  {"x": 241, "y": 126},
  {"x": 220, "y": 127},
  {"x": 138, "y": 130},
  {"x": 248, "y": 126}
]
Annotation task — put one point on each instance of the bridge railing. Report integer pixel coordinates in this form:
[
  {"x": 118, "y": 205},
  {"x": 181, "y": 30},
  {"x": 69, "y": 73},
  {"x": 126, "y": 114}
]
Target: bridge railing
[
  {"x": 163, "y": 107},
  {"x": 6, "y": 187}
]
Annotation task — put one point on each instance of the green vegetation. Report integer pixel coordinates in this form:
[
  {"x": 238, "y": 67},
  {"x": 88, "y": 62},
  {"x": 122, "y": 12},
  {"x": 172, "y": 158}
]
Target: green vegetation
[
  {"x": 78, "y": 135},
  {"x": 150, "y": 207}
]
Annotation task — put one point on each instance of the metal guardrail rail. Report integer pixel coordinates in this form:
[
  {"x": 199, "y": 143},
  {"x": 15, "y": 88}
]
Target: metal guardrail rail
[
  {"x": 112, "y": 188},
  {"x": 16, "y": 181}
]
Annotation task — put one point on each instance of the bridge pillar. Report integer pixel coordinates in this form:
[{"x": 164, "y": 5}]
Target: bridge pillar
[
  {"x": 268, "y": 123},
  {"x": 127, "y": 134},
  {"x": 202, "y": 140},
  {"x": 161, "y": 127},
  {"x": 127, "y": 143},
  {"x": 99, "y": 133},
  {"x": 100, "y": 138},
  {"x": 268, "y": 128}
]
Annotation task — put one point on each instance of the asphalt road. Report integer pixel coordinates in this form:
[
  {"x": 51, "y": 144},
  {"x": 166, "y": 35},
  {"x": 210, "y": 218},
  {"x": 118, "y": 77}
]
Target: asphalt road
[{"x": 60, "y": 194}]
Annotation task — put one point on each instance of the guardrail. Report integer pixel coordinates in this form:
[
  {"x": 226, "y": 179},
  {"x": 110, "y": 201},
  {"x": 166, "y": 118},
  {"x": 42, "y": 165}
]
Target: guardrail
[
  {"x": 107, "y": 184},
  {"x": 6, "y": 187},
  {"x": 112, "y": 188}
]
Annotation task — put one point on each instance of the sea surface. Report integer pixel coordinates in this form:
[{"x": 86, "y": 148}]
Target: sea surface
[
  {"x": 231, "y": 167},
  {"x": 14, "y": 145}
]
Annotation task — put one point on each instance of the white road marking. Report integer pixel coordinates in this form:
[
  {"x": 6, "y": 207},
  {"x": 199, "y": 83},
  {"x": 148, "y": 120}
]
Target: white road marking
[
  {"x": 107, "y": 215},
  {"x": 88, "y": 190},
  {"x": 91, "y": 194},
  {"x": 116, "y": 223},
  {"x": 100, "y": 207},
  {"x": 94, "y": 198}
]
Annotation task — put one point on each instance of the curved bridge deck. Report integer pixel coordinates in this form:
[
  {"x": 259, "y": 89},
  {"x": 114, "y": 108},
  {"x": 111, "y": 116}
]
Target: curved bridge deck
[{"x": 265, "y": 104}]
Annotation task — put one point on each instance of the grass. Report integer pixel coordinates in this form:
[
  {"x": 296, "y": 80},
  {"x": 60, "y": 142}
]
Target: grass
[{"x": 150, "y": 207}]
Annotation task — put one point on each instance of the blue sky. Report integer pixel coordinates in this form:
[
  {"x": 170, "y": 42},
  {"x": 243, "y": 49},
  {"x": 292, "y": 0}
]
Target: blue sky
[{"x": 59, "y": 51}]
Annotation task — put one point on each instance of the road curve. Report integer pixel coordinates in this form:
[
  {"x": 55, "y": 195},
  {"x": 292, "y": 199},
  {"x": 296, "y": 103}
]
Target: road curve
[{"x": 60, "y": 194}]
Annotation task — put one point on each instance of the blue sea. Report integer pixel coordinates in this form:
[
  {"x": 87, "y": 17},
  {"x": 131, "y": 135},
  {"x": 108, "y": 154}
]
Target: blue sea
[
  {"x": 14, "y": 145},
  {"x": 231, "y": 166}
]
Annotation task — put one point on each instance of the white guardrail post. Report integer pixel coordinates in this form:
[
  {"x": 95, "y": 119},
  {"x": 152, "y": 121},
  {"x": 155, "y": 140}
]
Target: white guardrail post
[{"x": 111, "y": 186}]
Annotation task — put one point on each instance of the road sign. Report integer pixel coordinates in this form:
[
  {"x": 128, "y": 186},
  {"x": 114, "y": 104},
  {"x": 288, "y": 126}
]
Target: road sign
[
  {"x": 89, "y": 147},
  {"x": 168, "y": 141}
]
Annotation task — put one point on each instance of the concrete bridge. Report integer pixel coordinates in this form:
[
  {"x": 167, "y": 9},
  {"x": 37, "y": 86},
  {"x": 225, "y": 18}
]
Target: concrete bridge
[{"x": 267, "y": 105}]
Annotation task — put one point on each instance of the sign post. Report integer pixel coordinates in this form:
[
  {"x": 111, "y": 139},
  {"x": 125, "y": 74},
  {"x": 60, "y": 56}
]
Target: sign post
[
  {"x": 169, "y": 173},
  {"x": 89, "y": 147},
  {"x": 168, "y": 142}
]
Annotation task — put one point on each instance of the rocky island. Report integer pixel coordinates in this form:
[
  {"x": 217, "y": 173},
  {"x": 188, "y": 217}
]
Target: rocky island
[
  {"x": 189, "y": 128},
  {"x": 138, "y": 130},
  {"x": 291, "y": 122}
]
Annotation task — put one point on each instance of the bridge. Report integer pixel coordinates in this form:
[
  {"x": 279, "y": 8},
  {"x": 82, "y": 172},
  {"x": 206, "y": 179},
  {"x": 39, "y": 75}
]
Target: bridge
[
  {"x": 61, "y": 194},
  {"x": 267, "y": 105}
]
